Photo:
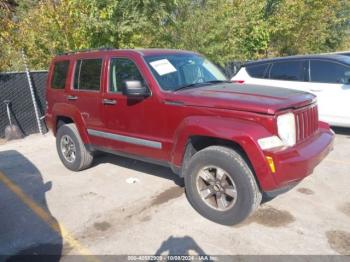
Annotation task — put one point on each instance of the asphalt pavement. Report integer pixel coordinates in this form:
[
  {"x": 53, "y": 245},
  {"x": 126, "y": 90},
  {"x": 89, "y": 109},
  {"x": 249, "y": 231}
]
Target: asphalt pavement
[{"x": 122, "y": 206}]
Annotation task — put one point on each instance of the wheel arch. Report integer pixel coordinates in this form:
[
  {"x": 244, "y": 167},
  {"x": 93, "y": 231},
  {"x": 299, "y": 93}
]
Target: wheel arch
[
  {"x": 62, "y": 120},
  {"x": 239, "y": 135},
  {"x": 196, "y": 143},
  {"x": 67, "y": 114}
]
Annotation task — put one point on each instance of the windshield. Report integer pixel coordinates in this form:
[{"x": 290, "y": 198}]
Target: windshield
[{"x": 178, "y": 71}]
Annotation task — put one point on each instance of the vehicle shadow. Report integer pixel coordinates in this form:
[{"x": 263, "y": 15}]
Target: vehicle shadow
[
  {"x": 140, "y": 166},
  {"x": 341, "y": 131},
  {"x": 180, "y": 246},
  {"x": 27, "y": 226}
]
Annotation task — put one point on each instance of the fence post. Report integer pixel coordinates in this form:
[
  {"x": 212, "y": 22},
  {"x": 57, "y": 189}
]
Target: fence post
[{"x": 32, "y": 93}]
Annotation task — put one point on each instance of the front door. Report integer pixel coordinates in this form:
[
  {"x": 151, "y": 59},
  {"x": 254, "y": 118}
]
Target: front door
[
  {"x": 131, "y": 124},
  {"x": 329, "y": 81}
]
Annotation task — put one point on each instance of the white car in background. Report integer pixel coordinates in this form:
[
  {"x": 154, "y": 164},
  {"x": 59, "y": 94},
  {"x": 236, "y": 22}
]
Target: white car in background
[{"x": 326, "y": 76}]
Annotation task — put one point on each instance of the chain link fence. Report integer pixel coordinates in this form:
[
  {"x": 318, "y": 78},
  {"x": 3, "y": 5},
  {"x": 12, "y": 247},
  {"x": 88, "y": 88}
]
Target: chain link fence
[{"x": 15, "y": 87}]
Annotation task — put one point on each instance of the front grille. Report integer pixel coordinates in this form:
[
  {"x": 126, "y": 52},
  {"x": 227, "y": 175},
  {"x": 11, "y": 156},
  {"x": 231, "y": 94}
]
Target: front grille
[{"x": 306, "y": 122}]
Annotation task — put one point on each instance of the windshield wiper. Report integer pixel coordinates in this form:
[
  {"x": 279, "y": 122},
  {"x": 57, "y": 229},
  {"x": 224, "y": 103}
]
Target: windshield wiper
[
  {"x": 187, "y": 86},
  {"x": 216, "y": 81},
  {"x": 202, "y": 83}
]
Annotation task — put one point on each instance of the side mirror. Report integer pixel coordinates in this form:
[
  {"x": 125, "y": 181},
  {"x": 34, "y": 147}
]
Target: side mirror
[{"x": 134, "y": 88}]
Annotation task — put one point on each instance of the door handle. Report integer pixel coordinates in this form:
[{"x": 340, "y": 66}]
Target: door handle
[
  {"x": 109, "y": 101},
  {"x": 315, "y": 90},
  {"x": 72, "y": 97}
]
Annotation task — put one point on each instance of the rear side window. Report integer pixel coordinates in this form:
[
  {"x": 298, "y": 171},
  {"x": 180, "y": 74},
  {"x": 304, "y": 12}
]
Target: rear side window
[
  {"x": 329, "y": 72},
  {"x": 292, "y": 71},
  {"x": 257, "y": 71},
  {"x": 121, "y": 70},
  {"x": 59, "y": 76},
  {"x": 87, "y": 75}
]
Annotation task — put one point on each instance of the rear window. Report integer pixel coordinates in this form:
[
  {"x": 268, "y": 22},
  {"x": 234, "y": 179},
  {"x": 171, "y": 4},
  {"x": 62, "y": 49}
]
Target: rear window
[
  {"x": 257, "y": 71},
  {"x": 292, "y": 71},
  {"x": 329, "y": 72},
  {"x": 87, "y": 74},
  {"x": 59, "y": 76}
]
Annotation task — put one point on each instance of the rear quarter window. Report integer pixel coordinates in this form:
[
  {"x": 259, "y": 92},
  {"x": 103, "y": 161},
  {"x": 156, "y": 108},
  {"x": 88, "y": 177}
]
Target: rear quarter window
[
  {"x": 257, "y": 71},
  {"x": 59, "y": 75}
]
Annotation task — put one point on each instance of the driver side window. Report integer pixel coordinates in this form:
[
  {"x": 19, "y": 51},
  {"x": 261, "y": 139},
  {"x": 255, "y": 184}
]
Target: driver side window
[{"x": 121, "y": 70}]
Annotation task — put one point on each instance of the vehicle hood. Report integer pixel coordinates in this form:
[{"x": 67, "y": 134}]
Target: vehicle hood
[{"x": 252, "y": 98}]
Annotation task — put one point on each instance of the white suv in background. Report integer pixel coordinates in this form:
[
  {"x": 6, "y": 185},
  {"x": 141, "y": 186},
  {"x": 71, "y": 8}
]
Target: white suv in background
[{"x": 326, "y": 76}]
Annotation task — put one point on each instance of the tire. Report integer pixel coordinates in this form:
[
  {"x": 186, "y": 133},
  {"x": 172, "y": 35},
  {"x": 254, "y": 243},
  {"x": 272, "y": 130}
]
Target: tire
[
  {"x": 83, "y": 158},
  {"x": 238, "y": 180}
]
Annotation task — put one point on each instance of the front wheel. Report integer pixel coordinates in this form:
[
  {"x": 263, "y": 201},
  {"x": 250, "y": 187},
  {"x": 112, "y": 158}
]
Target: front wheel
[{"x": 221, "y": 186}]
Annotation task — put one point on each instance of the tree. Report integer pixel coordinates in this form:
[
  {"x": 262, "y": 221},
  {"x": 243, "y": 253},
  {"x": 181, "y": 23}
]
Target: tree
[
  {"x": 223, "y": 30},
  {"x": 308, "y": 26},
  {"x": 51, "y": 27}
]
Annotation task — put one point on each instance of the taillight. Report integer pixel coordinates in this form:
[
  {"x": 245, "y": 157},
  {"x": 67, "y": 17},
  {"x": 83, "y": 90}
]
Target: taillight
[{"x": 238, "y": 81}]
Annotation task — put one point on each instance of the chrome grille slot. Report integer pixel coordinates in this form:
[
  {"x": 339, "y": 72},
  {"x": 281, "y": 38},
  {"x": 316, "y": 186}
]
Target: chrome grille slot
[{"x": 306, "y": 122}]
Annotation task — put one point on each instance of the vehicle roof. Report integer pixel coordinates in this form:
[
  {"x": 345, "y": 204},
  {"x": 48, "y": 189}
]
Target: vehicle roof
[
  {"x": 331, "y": 57},
  {"x": 143, "y": 52}
]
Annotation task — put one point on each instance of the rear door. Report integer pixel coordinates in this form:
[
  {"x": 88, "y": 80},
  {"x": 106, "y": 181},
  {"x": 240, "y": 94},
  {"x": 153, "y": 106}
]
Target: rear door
[
  {"x": 85, "y": 93},
  {"x": 330, "y": 82},
  {"x": 288, "y": 74}
]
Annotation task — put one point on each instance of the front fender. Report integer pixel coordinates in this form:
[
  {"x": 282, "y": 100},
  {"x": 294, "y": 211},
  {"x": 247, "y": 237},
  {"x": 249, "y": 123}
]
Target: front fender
[{"x": 242, "y": 132}]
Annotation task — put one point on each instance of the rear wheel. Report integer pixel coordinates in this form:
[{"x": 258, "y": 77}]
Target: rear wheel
[
  {"x": 71, "y": 148},
  {"x": 221, "y": 186}
]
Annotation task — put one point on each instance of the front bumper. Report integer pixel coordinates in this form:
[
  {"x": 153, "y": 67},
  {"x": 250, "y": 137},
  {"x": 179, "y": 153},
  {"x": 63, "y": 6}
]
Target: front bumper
[{"x": 295, "y": 163}]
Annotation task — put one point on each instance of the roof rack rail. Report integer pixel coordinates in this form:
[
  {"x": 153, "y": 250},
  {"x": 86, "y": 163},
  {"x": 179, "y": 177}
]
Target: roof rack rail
[{"x": 87, "y": 50}]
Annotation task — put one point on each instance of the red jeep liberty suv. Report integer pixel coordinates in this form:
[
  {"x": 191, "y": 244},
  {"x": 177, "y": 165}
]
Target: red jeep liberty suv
[{"x": 230, "y": 143}]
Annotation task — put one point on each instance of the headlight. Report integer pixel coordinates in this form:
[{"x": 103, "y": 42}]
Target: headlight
[{"x": 286, "y": 129}]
